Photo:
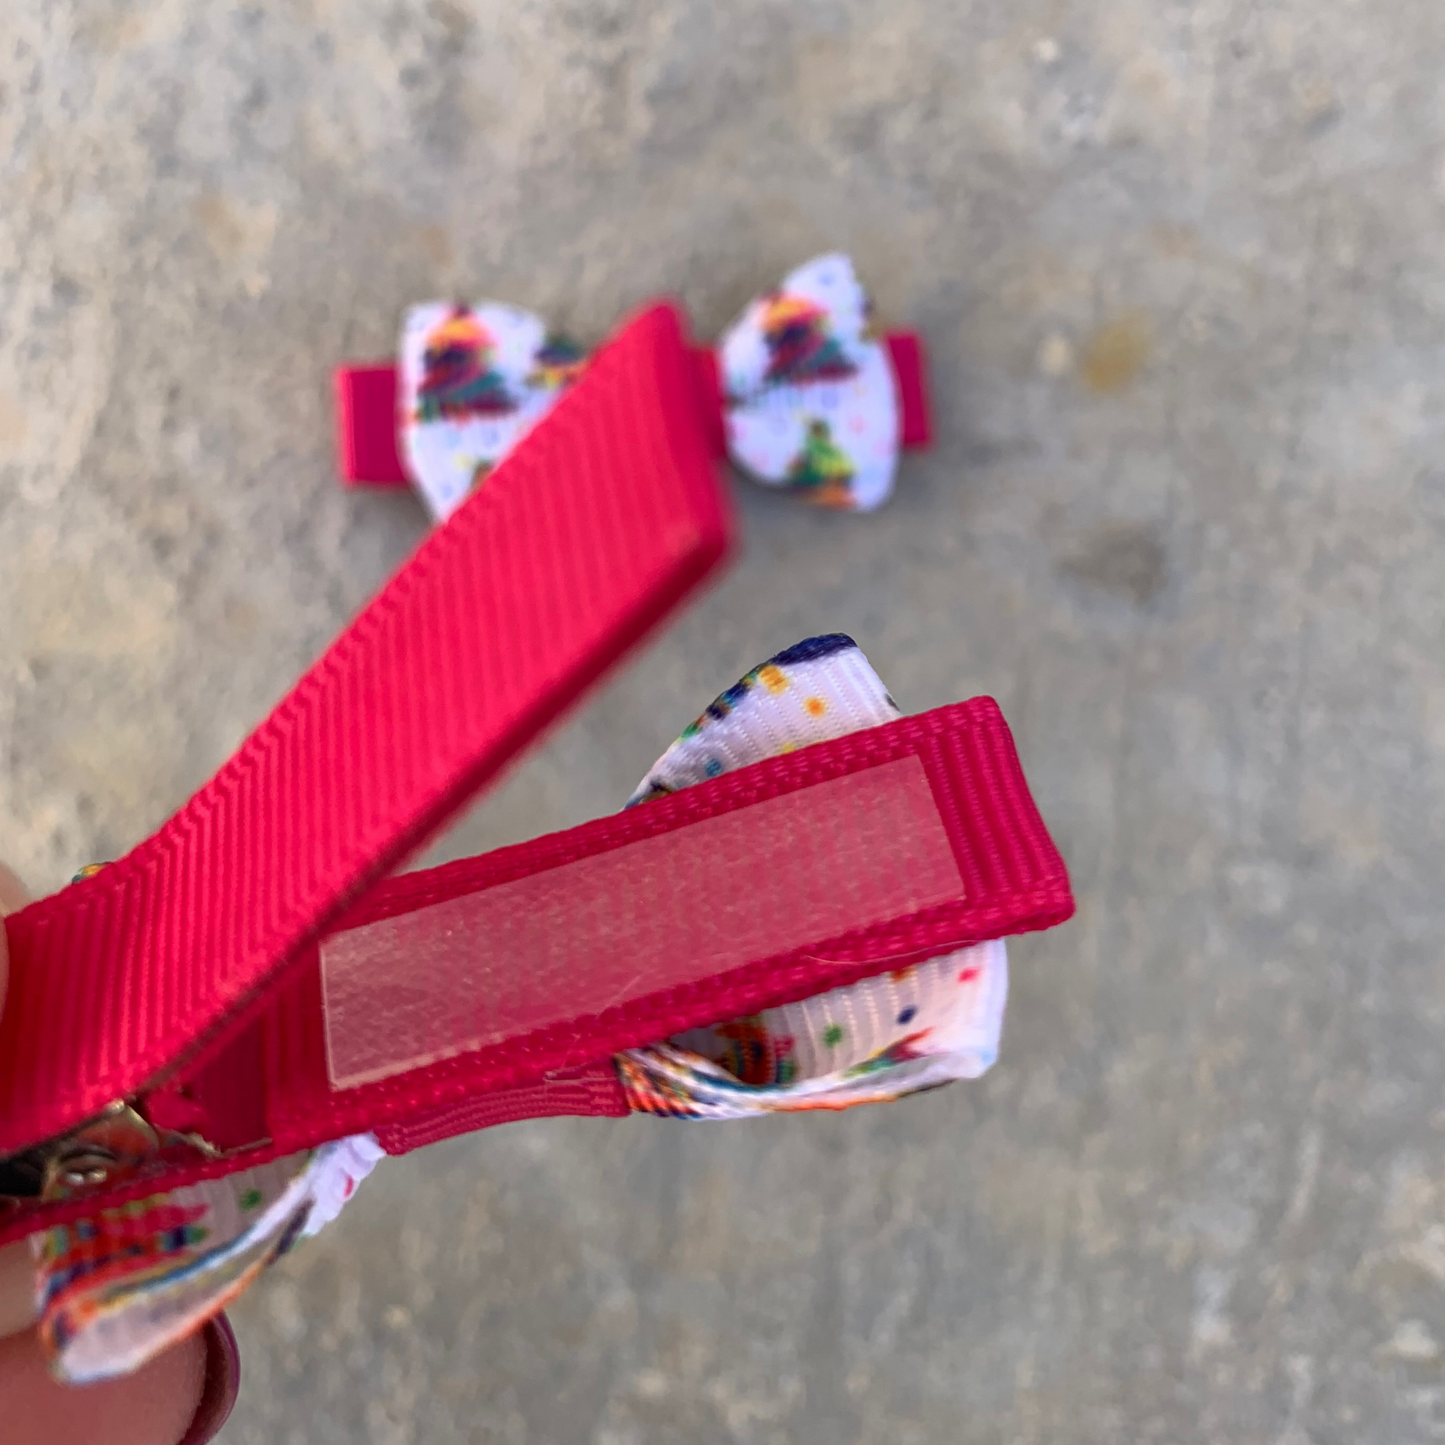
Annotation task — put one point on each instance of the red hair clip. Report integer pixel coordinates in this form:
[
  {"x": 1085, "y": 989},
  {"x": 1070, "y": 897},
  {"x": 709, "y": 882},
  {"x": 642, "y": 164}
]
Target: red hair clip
[
  {"x": 209, "y": 1041},
  {"x": 799, "y": 393}
]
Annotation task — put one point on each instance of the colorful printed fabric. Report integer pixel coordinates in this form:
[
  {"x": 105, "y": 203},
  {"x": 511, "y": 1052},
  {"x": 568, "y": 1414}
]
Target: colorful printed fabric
[
  {"x": 811, "y": 403},
  {"x": 116, "y": 1289},
  {"x": 820, "y": 689},
  {"x": 474, "y": 381},
  {"x": 119, "y": 1287},
  {"x": 869, "y": 1043},
  {"x": 872, "y": 1041}
]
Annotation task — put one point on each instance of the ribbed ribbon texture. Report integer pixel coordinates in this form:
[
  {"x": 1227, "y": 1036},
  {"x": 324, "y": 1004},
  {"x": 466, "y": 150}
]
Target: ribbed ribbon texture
[{"x": 591, "y": 531}]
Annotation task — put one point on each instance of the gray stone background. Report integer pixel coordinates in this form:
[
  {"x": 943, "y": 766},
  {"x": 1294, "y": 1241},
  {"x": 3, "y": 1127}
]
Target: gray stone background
[{"x": 1180, "y": 268}]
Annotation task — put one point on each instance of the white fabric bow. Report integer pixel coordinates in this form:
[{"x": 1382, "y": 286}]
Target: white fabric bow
[{"x": 809, "y": 397}]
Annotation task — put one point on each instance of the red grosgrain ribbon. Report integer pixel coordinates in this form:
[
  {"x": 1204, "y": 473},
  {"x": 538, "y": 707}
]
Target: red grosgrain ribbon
[
  {"x": 593, "y": 531},
  {"x": 500, "y": 987},
  {"x": 243, "y": 985}
]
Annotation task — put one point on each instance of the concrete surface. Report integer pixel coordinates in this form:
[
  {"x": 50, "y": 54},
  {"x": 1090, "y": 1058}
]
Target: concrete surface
[{"x": 1180, "y": 268}]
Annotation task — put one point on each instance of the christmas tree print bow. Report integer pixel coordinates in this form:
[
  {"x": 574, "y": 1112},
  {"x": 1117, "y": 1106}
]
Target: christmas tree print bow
[
  {"x": 810, "y": 397},
  {"x": 119, "y": 1287}
]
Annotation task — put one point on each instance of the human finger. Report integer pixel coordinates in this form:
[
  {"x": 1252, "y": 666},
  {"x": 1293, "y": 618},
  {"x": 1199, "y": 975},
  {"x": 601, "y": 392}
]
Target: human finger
[
  {"x": 17, "y": 1273},
  {"x": 153, "y": 1406}
]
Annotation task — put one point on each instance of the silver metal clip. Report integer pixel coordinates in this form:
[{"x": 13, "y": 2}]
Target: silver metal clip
[{"x": 102, "y": 1151}]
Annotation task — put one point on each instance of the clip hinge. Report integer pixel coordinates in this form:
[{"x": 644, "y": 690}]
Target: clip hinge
[{"x": 103, "y": 1151}]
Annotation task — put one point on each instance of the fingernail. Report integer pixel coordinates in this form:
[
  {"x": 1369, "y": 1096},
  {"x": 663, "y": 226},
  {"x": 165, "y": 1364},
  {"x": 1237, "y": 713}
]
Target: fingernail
[
  {"x": 222, "y": 1383},
  {"x": 12, "y": 892}
]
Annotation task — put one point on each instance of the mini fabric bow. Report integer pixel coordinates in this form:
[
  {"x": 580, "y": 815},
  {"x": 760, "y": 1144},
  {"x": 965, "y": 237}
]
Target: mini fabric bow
[
  {"x": 809, "y": 399},
  {"x": 123, "y": 1285}
]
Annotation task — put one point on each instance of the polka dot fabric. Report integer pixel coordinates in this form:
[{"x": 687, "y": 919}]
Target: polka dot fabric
[
  {"x": 875, "y": 1040},
  {"x": 820, "y": 689}
]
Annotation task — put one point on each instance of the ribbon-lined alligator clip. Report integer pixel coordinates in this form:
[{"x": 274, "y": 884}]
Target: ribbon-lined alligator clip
[
  {"x": 799, "y": 393},
  {"x": 209, "y": 1041}
]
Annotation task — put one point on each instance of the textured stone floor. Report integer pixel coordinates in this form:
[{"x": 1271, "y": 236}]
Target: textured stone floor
[{"x": 1180, "y": 267}]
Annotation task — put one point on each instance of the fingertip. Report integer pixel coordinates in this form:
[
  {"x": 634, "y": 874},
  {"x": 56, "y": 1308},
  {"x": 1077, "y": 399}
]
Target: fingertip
[
  {"x": 166, "y": 1392},
  {"x": 13, "y": 894},
  {"x": 12, "y": 897},
  {"x": 153, "y": 1406},
  {"x": 222, "y": 1381},
  {"x": 17, "y": 1288}
]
